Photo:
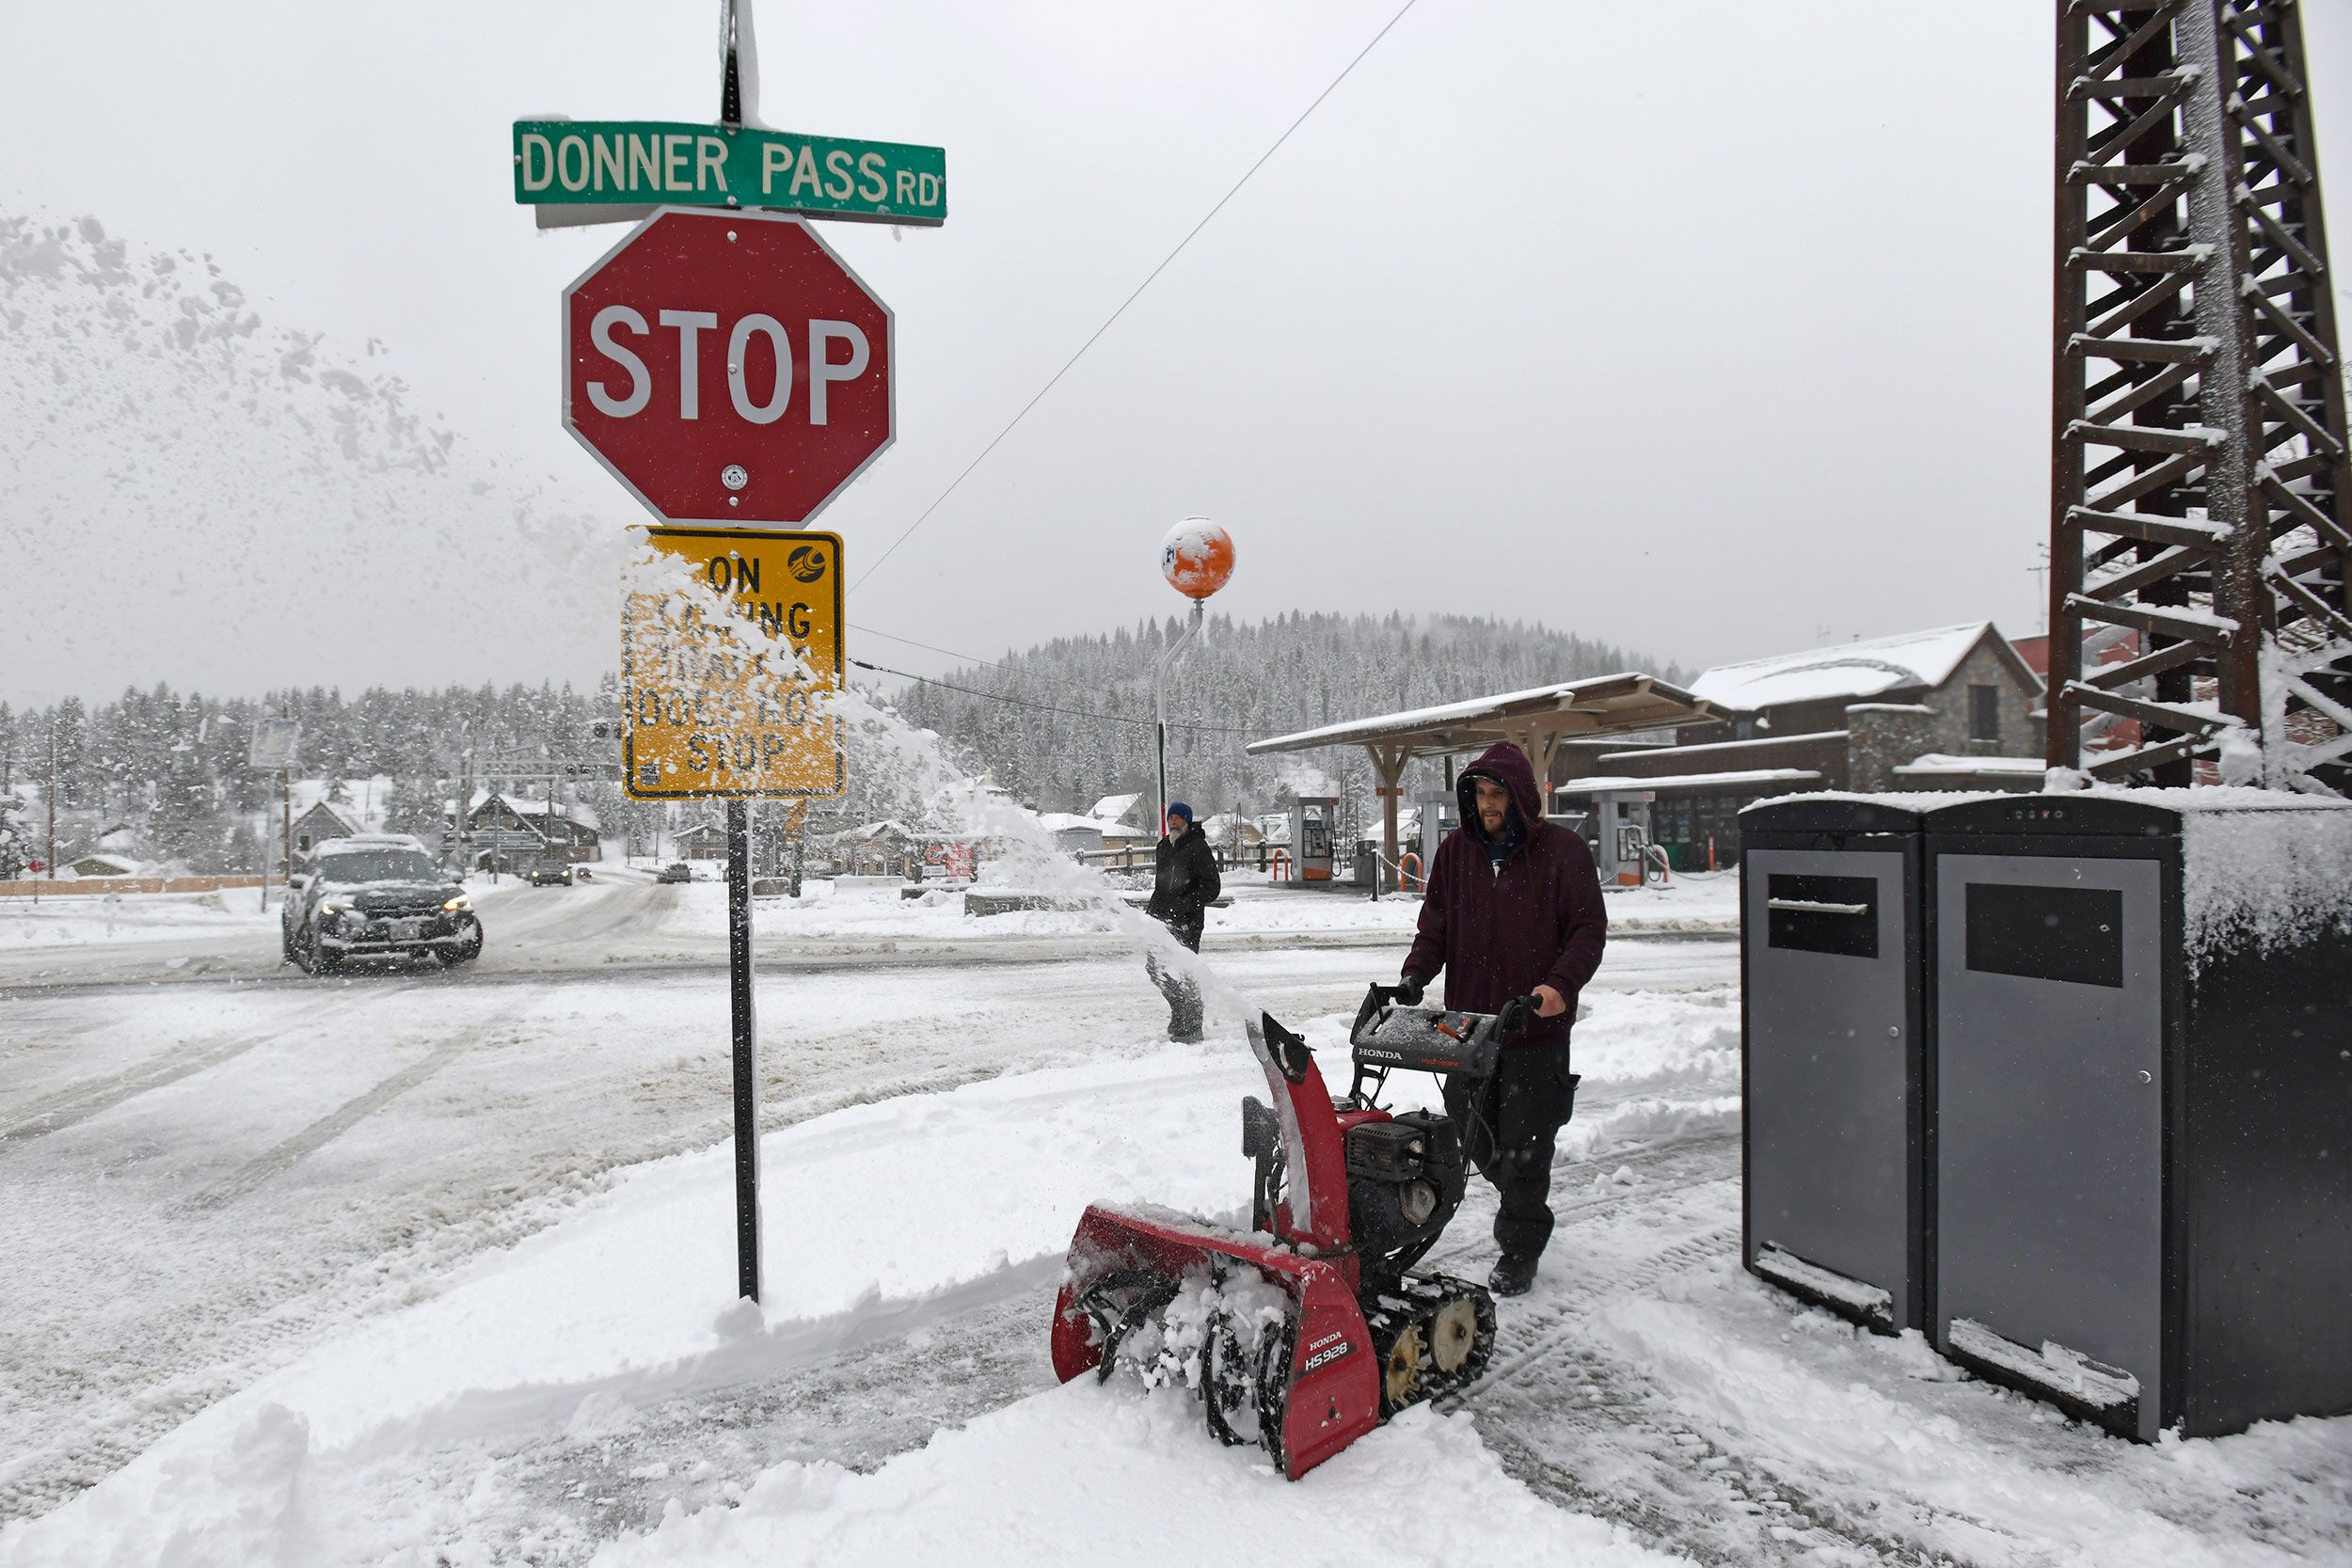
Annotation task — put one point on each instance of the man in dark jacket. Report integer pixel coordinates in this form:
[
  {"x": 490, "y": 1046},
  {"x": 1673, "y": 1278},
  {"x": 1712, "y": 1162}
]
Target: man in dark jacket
[
  {"x": 1184, "y": 884},
  {"x": 1513, "y": 908}
]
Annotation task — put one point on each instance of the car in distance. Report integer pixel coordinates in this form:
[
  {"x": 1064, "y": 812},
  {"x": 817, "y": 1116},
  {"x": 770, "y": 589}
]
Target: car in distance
[
  {"x": 677, "y": 871},
  {"x": 375, "y": 895},
  {"x": 549, "y": 871}
]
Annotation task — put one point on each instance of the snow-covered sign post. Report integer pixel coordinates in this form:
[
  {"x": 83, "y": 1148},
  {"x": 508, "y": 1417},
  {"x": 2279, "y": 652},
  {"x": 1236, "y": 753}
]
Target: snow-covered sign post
[
  {"x": 1197, "y": 559},
  {"x": 729, "y": 370}
]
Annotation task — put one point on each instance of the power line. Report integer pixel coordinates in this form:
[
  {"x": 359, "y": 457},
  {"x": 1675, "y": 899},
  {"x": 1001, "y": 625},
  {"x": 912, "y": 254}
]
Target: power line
[
  {"x": 928, "y": 647},
  {"x": 1133, "y": 297},
  {"x": 1047, "y": 707}
]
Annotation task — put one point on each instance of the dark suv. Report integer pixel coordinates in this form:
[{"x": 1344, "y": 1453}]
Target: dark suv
[
  {"x": 549, "y": 872},
  {"x": 376, "y": 896}
]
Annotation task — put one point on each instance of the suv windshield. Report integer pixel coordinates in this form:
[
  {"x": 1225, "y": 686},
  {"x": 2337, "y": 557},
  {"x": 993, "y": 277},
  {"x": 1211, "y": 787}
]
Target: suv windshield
[{"x": 378, "y": 865}]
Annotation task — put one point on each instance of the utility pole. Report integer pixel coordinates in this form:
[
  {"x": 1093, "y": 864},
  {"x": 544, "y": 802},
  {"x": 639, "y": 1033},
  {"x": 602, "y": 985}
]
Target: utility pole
[
  {"x": 1159, "y": 700},
  {"x": 50, "y": 798},
  {"x": 285, "y": 797}
]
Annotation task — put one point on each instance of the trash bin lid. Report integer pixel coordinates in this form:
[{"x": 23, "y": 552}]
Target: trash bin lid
[
  {"x": 1832, "y": 813},
  {"x": 2096, "y": 813}
]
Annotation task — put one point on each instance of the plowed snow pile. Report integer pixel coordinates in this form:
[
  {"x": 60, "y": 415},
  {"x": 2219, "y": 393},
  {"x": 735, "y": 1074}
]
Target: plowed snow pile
[{"x": 1093, "y": 1474}]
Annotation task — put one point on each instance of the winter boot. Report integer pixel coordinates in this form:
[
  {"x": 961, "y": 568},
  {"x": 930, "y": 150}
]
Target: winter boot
[{"x": 1514, "y": 1272}]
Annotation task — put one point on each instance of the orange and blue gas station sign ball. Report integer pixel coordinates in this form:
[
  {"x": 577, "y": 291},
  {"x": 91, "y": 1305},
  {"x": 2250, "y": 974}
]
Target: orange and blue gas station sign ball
[{"x": 1197, "y": 558}]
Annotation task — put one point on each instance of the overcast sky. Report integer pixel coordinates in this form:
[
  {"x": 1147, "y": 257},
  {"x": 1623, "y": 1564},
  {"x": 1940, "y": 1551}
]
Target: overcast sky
[{"x": 1712, "y": 330}]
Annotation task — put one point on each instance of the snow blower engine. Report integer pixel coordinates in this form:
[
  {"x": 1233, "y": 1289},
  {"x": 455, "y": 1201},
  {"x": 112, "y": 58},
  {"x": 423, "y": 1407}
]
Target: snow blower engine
[{"x": 1310, "y": 1328}]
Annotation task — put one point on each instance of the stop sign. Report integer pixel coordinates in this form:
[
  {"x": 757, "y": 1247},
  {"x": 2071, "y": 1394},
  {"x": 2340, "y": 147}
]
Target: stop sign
[{"x": 727, "y": 366}]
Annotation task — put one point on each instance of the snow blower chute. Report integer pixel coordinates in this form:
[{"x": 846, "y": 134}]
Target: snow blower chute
[{"x": 1308, "y": 1330}]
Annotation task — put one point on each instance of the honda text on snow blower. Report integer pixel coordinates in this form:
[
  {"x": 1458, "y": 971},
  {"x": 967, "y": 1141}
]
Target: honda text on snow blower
[{"x": 1310, "y": 1328}]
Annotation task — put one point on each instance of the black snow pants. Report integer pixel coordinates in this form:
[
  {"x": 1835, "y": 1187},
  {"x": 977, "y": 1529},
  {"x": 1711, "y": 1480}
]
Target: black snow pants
[
  {"x": 1184, "y": 997},
  {"x": 1509, "y": 1123}
]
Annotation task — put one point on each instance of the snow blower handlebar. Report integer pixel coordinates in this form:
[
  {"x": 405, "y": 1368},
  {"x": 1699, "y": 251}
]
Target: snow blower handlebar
[{"x": 1389, "y": 1034}]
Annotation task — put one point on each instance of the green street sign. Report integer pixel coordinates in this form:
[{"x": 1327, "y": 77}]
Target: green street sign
[{"x": 645, "y": 163}]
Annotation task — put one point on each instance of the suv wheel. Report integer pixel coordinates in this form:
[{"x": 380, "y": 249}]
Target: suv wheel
[
  {"x": 466, "y": 951},
  {"x": 315, "y": 958}
]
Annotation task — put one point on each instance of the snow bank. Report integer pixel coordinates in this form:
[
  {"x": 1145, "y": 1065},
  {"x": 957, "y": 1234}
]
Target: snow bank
[
  {"x": 135, "y": 917},
  {"x": 1091, "y": 1474}
]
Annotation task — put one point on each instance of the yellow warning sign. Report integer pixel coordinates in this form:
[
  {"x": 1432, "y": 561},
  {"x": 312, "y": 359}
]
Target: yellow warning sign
[{"x": 730, "y": 642}]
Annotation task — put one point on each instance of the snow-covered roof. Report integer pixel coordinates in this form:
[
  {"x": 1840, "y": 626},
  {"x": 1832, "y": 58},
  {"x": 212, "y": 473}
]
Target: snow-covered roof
[
  {"x": 112, "y": 866},
  {"x": 1943, "y": 764},
  {"x": 1596, "y": 706},
  {"x": 531, "y": 805},
  {"x": 1407, "y": 826},
  {"x": 1726, "y": 748},
  {"x": 1112, "y": 808},
  {"x": 1068, "y": 821},
  {"x": 1741, "y": 779},
  {"x": 1856, "y": 669}
]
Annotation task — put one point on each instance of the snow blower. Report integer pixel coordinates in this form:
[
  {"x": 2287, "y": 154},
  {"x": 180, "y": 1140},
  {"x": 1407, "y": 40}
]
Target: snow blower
[{"x": 1310, "y": 1328}]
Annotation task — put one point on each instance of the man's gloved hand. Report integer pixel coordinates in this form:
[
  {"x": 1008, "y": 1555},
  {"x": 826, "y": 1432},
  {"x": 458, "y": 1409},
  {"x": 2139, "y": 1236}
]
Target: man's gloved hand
[
  {"x": 1408, "y": 990},
  {"x": 1512, "y": 1020}
]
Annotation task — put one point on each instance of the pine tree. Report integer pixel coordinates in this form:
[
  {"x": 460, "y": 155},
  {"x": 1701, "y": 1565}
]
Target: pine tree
[
  {"x": 16, "y": 838},
  {"x": 187, "y": 825}
]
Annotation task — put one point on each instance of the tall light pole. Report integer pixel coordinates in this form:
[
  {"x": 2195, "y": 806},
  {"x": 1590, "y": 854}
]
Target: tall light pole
[{"x": 1197, "y": 558}]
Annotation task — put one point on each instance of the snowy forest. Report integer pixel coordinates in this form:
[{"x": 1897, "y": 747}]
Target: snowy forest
[
  {"x": 173, "y": 770},
  {"x": 1069, "y": 721}
]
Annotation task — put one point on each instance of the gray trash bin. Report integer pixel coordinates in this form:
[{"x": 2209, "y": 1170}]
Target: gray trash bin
[
  {"x": 1835, "y": 1057},
  {"x": 2143, "y": 1147}
]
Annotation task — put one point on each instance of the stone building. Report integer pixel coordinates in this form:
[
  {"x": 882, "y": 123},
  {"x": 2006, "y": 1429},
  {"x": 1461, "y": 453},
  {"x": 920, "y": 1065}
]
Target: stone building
[{"x": 1954, "y": 707}]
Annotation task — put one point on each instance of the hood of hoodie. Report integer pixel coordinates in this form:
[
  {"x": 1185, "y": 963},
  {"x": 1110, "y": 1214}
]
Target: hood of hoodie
[{"x": 1508, "y": 765}]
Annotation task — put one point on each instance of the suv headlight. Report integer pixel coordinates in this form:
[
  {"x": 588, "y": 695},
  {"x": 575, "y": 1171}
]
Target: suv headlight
[
  {"x": 460, "y": 902},
  {"x": 333, "y": 906}
]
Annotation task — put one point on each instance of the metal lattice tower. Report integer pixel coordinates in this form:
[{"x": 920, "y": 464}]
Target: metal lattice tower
[{"x": 2201, "y": 491}]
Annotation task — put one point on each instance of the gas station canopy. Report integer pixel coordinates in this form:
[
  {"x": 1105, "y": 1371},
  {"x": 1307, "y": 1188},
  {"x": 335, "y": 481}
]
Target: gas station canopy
[{"x": 1536, "y": 721}]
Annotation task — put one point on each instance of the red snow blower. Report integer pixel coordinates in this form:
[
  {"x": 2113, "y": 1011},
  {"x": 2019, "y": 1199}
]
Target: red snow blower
[{"x": 1308, "y": 1330}]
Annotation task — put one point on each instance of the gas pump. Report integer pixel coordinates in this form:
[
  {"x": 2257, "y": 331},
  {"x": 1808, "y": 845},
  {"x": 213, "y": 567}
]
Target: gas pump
[
  {"x": 1441, "y": 814},
  {"x": 1617, "y": 827},
  {"x": 1624, "y": 820},
  {"x": 1314, "y": 837}
]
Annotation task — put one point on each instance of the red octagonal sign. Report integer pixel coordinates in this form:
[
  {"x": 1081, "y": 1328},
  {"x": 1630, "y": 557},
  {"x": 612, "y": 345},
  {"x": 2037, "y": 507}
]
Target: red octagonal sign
[{"x": 728, "y": 367}]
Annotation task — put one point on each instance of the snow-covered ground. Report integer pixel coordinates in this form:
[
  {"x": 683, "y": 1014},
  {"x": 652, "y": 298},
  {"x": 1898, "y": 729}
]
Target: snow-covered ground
[{"x": 426, "y": 1269}]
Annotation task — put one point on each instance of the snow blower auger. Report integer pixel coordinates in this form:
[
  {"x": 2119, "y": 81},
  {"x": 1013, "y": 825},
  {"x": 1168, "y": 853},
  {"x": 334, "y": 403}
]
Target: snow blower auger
[{"x": 1308, "y": 1330}]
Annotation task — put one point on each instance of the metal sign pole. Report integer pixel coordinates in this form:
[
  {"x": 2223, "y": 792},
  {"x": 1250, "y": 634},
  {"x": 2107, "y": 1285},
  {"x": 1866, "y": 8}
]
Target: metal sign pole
[
  {"x": 746, "y": 1023},
  {"x": 746, "y": 1050},
  {"x": 1175, "y": 651}
]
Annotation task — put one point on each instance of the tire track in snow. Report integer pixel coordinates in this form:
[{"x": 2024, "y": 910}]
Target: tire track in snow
[
  {"x": 78, "y": 1102},
  {"x": 333, "y": 1126}
]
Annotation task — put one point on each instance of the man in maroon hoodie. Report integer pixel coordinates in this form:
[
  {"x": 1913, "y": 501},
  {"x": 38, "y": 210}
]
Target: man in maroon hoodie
[{"x": 1513, "y": 908}]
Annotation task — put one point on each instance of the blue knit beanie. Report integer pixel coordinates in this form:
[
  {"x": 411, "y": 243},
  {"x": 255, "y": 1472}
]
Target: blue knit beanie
[{"x": 1177, "y": 808}]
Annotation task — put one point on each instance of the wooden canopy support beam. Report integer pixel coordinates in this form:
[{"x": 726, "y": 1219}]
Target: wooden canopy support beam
[{"x": 1387, "y": 765}]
